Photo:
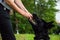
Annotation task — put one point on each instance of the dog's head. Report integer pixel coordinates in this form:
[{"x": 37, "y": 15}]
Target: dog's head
[
  {"x": 36, "y": 19},
  {"x": 41, "y": 23}
]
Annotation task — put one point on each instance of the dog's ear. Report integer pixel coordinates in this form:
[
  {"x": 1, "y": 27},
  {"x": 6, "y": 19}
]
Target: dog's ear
[{"x": 50, "y": 24}]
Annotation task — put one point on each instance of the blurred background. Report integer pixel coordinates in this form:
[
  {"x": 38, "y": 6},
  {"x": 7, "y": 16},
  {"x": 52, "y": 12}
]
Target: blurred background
[{"x": 48, "y": 10}]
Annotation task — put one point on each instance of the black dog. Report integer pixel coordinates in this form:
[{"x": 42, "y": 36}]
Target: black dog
[{"x": 40, "y": 28}]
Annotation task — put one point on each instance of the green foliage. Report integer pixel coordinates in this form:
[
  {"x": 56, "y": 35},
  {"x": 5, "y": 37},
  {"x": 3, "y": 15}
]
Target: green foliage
[
  {"x": 46, "y": 11},
  {"x": 29, "y": 4},
  {"x": 23, "y": 24},
  {"x": 43, "y": 9}
]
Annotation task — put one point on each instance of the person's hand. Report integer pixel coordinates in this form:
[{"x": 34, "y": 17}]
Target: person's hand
[
  {"x": 29, "y": 16},
  {"x": 31, "y": 19}
]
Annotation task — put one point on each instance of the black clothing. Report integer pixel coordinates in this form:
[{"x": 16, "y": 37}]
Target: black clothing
[{"x": 5, "y": 24}]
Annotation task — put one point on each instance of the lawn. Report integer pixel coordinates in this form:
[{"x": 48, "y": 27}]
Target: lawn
[{"x": 30, "y": 37}]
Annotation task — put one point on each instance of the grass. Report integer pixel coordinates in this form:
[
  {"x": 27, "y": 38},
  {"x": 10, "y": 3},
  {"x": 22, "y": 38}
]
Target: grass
[
  {"x": 31, "y": 37},
  {"x": 20, "y": 36},
  {"x": 54, "y": 37}
]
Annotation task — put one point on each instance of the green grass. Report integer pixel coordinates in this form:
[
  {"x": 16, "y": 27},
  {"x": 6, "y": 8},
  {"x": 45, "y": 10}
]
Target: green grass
[
  {"x": 31, "y": 37},
  {"x": 54, "y": 37},
  {"x": 20, "y": 36}
]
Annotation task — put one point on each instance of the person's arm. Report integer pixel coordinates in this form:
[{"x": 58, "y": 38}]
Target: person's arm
[
  {"x": 19, "y": 10},
  {"x": 20, "y": 5}
]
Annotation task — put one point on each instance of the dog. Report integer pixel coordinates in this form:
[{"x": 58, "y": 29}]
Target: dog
[{"x": 40, "y": 28}]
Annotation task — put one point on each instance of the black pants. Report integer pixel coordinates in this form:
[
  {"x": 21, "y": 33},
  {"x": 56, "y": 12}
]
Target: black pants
[{"x": 5, "y": 25}]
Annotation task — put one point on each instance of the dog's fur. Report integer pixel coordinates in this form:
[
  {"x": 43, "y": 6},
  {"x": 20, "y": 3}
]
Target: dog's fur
[{"x": 40, "y": 28}]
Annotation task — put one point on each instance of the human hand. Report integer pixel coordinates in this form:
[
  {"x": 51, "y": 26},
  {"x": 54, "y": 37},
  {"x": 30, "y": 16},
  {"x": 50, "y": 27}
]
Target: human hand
[
  {"x": 30, "y": 18},
  {"x": 28, "y": 15}
]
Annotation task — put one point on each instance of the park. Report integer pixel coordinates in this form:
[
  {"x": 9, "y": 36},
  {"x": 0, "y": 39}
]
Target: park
[{"x": 47, "y": 26}]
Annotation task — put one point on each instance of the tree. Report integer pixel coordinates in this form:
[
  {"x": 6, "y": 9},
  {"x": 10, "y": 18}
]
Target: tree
[{"x": 43, "y": 8}]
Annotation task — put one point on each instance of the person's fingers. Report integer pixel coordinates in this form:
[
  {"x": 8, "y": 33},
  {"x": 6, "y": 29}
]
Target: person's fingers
[
  {"x": 31, "y": 19},
  {"x": 29, "y": 16}
]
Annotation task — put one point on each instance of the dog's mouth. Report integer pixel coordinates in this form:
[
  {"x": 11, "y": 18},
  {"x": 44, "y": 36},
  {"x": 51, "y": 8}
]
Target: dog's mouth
[
  {"x": 33, "y": 22},
  {"x": 34, "y": 19}
]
